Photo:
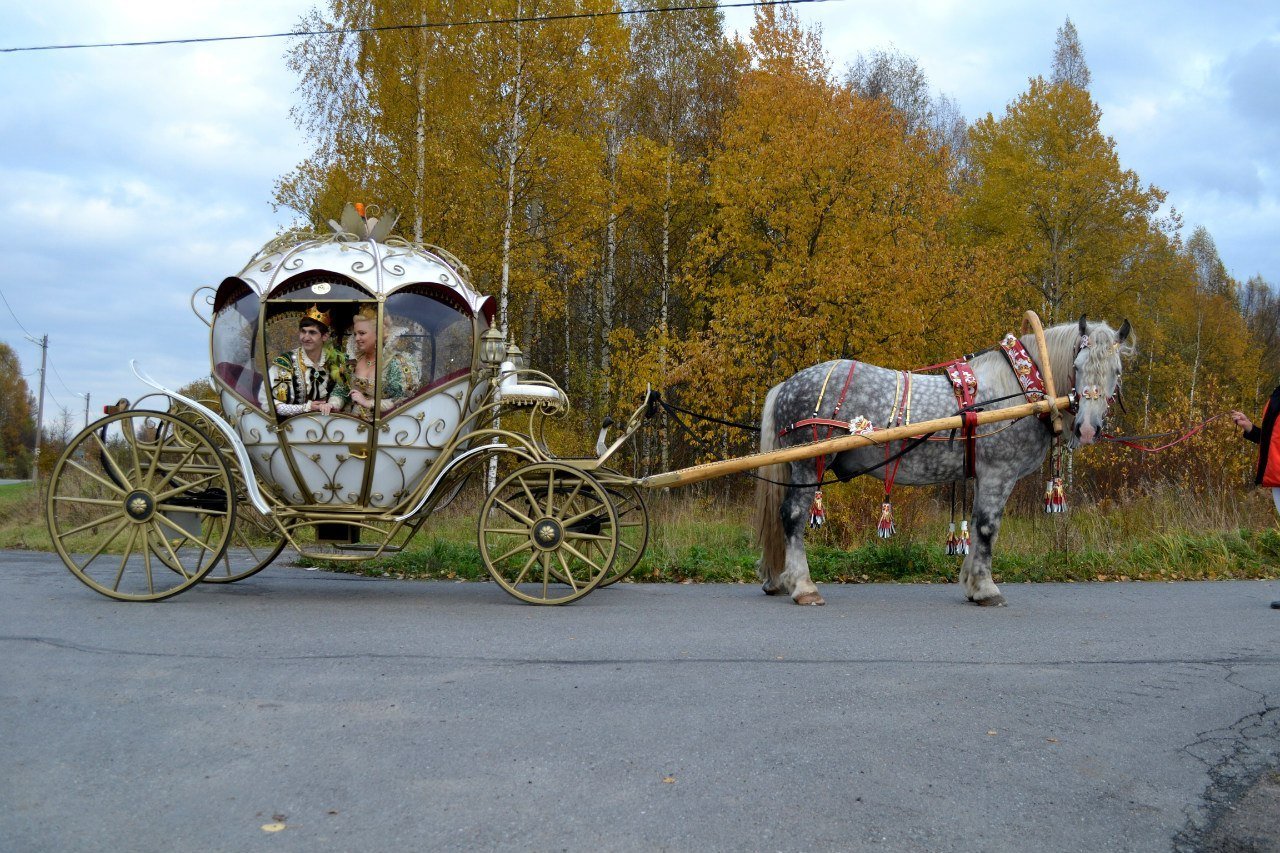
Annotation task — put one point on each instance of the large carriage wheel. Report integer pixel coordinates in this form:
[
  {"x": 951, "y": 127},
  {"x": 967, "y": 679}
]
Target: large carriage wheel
[
  {"x": 548, "y": 533},
  {"x": 133, "y": 485}
]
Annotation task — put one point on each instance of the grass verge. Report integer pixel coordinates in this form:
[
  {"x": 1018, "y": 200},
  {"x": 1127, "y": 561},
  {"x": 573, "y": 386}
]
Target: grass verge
[{"x": 701, "y": 540}]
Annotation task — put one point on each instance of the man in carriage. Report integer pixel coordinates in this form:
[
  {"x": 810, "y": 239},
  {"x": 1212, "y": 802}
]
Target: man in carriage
[{"x": 309, "y": 378}]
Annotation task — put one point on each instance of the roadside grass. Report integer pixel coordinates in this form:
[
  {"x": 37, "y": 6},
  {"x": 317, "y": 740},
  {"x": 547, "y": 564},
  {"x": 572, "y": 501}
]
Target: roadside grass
[{"x": 705, "y": 538}]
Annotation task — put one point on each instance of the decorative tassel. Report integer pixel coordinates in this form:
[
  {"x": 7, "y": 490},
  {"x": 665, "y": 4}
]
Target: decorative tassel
[
  {"x": 1057, "y": 497},
  {"x": 817, "y": 512},
  {"x": 952, "y": 543},
  {"x": 1054, "y": 496},
  {"x": 885, "y": 528},
  {"x": 962, "y": 543}
]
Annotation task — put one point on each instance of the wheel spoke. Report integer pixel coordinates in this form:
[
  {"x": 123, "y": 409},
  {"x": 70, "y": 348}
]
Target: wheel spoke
[
  {"x": 194, "y": 510},
  {"x": 519, "y": 516},
  {"x": 173, "y": 555},
  {"x": 103, "y": 546},
  {"x": 174, "y": 470},
  {"x": 523, "y": 546},
  {"x": 112, "y": 486},
  {"x": 520, "y": 577},
  {"x": 568, "y": 573},
  {"x": 90, "y": 501},
  {"x": 581, "y": 556},
  {"x": 99, "y": 522},
  {"x": 508, "y": 531},
  {"x": 586, "y": 536},
  {"x": 185, "y": 487},
  {"x": 568, "y": 521},
  {"x": 146, "y": 563},
  {"x": 573, "y": 496},
  {"x": 128, "y": 549},
  {"x": 107, "y": 461},
  {"x": 185, "y": 534},
  {"x": 546, "y": 572},
  {"x": 533, "y": 501}
]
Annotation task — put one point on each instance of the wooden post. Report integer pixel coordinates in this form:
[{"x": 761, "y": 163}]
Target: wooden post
[{"x": 698, "y": 473}]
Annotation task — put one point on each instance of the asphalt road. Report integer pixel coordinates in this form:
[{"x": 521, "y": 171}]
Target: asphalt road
[{"x": 305, "y": 711}]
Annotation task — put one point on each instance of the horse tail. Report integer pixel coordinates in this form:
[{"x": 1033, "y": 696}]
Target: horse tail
[{"x": 770, "y": 489}]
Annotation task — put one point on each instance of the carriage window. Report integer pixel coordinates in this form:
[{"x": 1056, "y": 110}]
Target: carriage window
[
  {"x": 235, "y": 332},
  {"x": 433, "y": 329}
]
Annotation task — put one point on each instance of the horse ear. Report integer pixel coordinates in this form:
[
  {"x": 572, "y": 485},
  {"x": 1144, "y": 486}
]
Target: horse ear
[
  {"x": 1084, "y": 330},
  {"x": 1124, "y": 331}
]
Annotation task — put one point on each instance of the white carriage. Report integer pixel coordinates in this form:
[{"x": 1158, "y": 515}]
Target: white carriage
[{"x": 171, "y": 491}]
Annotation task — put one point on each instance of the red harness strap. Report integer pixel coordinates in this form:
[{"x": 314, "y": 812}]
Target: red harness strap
[{"x": 965, "y": 384}]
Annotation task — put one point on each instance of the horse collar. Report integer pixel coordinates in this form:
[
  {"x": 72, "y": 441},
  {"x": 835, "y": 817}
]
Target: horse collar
[{"x": 1024, "y": 368}]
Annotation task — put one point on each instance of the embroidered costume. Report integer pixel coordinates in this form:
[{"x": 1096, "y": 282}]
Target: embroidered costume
[
  {"x": 296, "y": 381},
  {"x": 399, "y": 381}
]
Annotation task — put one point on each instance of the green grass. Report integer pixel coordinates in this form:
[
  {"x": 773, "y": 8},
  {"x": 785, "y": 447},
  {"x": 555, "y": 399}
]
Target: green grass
[{"x": 704, "y": 538}]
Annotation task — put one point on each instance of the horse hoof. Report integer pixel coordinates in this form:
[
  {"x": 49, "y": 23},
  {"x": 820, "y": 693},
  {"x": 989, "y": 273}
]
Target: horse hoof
[
  {"x": 770, "y": 591},
  {"x": 811, "y": 598},
  {"x": 996, "y": 600}
]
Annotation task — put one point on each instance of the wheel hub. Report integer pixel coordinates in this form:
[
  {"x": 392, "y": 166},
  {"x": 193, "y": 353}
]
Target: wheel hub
[
  {"x": 139, "y": 505},
  {"x": 547, "y": 534}
]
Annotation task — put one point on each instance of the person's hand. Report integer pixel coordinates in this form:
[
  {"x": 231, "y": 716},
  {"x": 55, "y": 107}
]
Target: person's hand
[
  {"x": 323, "y": 407},
  {"x": 1242, "y": 420}
]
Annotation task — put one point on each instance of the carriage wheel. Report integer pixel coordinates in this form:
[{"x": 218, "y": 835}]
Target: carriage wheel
[
  {"x": 131, "y": 486},
  {"x": 254, "y": 544},
  {"x": 633, "y": 531},
  {"x": 255, "y": 539},
  {"x": 548, "y": 533}
]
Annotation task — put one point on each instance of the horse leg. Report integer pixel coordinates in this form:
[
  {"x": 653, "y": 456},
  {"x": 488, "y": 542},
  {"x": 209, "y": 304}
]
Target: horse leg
[
  {"x": 988, "y": 509},
  {"x": 795, "y": 576}
]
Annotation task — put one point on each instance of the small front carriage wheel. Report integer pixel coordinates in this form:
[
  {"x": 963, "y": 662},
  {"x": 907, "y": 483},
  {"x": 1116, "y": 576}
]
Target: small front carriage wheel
[
  {"x": 548, "y": 533},
  {"x": 133, "y": 485}
]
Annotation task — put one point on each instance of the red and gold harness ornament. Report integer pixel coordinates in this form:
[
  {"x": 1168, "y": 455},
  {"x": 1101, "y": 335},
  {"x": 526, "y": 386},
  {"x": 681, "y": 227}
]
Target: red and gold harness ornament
[{"x": 1055, "y": 497}]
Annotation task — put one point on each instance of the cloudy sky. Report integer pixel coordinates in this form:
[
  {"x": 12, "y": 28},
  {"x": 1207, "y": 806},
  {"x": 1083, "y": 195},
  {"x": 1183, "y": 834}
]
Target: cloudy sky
[{"x": 131, "y": 176}]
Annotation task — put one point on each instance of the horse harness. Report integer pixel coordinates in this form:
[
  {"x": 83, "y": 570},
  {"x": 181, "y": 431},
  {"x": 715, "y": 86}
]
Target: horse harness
[{"x": 963, "y": 382}]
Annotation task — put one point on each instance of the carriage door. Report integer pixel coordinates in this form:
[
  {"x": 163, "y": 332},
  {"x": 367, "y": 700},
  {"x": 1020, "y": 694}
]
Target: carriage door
[
  {"x": 424, "y": 386},
  {"x": 323, "y": 459}
]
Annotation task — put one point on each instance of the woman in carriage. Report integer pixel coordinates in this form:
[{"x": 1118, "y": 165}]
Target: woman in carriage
[{"x": 399, "y": 376}]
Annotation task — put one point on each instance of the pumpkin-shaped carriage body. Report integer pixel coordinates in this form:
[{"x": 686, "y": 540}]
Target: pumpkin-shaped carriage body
[{"x": 342, "y": 462}]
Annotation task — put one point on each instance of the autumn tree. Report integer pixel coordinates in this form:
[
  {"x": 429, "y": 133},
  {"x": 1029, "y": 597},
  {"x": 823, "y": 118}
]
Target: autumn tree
[
  {"x": 17, "y": 424},
  {"x": 684, "y": 72},
  {"x": 1068, "y": 58},
  {"x": 1047, "y": 190},
  {"x": 827, "y": 238},
  {"x": 899, "y": 79}
]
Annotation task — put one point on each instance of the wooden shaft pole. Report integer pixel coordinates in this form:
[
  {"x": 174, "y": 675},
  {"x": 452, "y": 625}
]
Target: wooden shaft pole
[{"x": 709, "y": 470}]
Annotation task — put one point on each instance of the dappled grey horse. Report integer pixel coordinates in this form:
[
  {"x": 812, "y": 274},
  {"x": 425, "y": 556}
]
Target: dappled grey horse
[{"x": 1084, "y": 359}]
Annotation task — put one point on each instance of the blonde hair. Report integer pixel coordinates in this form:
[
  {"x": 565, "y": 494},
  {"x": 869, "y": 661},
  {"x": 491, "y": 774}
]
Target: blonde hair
[{"x": 366, "y": 312}]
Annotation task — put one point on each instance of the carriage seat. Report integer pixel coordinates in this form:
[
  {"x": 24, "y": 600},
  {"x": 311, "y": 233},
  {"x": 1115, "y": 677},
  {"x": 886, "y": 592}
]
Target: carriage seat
[
  {"x": 244, "y": 382},
  {"x": 514, "y": 392}
]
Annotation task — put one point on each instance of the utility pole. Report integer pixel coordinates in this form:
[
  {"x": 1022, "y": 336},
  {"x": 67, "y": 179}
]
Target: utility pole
[
  {"x": 44, "y": 354},
  {"x": 86, "y": 408}
]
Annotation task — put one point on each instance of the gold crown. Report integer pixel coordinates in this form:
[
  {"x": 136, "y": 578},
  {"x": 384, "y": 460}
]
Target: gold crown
[{"x": 314, "y": 313}]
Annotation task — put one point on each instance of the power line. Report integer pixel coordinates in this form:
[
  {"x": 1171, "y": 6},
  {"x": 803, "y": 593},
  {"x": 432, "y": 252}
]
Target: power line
[
  {"x": 428, "y": 25},
  {"x": 13, "y": 315},
  {"x": 60, "y": 379}
]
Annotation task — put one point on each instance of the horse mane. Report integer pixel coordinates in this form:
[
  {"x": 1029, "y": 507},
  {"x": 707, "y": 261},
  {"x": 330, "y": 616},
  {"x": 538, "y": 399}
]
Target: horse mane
[{"x": 997, "y": 380}]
